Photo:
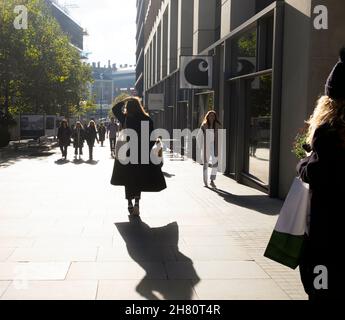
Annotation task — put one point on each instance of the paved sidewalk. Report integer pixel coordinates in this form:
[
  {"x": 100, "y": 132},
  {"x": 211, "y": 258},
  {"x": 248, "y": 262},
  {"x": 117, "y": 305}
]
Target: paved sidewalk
[{"x": 65, "y": 234}]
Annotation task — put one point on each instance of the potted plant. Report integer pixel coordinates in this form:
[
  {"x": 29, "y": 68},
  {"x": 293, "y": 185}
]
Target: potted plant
[{"x": 300, "y": 146}]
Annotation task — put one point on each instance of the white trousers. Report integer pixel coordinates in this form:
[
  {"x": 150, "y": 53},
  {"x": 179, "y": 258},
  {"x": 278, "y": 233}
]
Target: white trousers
[{"x": 214, "y": 161}]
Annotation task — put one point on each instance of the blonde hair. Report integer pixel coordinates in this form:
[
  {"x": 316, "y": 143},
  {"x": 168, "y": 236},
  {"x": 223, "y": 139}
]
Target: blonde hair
[{"x": 327, "y": 111}]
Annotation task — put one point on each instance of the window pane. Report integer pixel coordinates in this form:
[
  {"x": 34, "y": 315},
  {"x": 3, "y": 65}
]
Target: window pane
[
  {"x": 244, "y": 52},
  {"x": 259, "y": 127}
]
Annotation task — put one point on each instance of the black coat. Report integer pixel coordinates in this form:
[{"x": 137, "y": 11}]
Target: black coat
[
  {"x": 64, "y": 136},
  {"x": 90, "y": 136},
  {"x": 146, "y": 177},
  {"x": 324, "y": 170},
  {"x": 78, "y": 142},
  {"x": 101, "y": 133}
]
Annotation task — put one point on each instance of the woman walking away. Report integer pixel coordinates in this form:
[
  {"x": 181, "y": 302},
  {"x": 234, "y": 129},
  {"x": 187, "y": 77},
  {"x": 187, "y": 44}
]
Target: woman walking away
[
  {"x": 101, "y": 133},
  {"x": 111, "y": 134},
  {"x": 91, "y": 136},
  {"x": 136, "y": 177},
  {"x": 78, "y": 139},
  {"x": 209, "y": 145},
  {"x": 321, "y": 269},
  {"x": 64, "y": 137}
]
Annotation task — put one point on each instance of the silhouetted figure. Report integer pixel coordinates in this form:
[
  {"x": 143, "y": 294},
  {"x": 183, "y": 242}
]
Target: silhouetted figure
[
  {"x": 91, "y": 137},
  {"x": 101, "y": 133},
  {"x": 64, "y": 137},
  {"x": 112, "y": 130},
  {"x": 78, "y": 139},
  {"x": 146, "y": 244},
  {"x": 324, "y": 171},
  {"x": 136, "y": 177}
]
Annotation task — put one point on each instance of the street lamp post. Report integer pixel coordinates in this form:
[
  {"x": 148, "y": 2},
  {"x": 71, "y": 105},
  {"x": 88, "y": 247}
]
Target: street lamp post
[{"x": 102, "y": 103}]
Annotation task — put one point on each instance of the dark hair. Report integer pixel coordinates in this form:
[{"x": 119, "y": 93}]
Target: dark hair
[
  {"x": 64, "y": 121},
  {"x": 81, "y": 125},
  {"x": 206, "y": 121},
  {"x": 135, "y": 106}
]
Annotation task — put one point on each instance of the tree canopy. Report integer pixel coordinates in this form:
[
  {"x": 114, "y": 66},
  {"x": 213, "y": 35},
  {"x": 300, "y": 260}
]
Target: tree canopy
[{"x": 40, "y": 71}]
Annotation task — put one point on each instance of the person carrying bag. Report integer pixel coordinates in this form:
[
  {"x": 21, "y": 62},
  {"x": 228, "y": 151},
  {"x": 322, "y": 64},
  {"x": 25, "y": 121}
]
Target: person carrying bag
[{"x": 288, "y": 238}]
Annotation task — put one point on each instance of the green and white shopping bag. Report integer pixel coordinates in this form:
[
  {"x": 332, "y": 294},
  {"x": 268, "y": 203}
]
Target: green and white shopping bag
[{"x": 287, "y": 240}]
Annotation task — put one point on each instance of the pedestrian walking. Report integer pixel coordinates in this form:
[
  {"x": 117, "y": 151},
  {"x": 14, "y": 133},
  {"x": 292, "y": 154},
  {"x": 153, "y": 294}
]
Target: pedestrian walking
[
  {"x": 112, "y": 130},
  {"x": 324, "y": 171},
  {"x": 64, "y": 137},
  {"x": 208, "y": 144},
  {"x": 158, "y": 152},
  {"x": 91, "y": 137},
  {"x": 101, "y": 133},
  {"x": 78, "y": 139},
  {"x": 136, "y": 177}
]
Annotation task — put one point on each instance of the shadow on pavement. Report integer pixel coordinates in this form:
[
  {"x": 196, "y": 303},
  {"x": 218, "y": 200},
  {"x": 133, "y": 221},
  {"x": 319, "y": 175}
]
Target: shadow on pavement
[
  {"x": 92, "y": 162},
  {"x": 10, "y": 158},
  {"x": 78, "y": 161},
  {"x": 262, "y": 204},
  {"x": 159, "y": 245},
  {"x": 61, "y": 162},
  {"x": 168, "y": 175}
]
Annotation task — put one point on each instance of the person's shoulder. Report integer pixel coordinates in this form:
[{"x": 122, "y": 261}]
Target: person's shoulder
[{"x": 325, "y": 130}]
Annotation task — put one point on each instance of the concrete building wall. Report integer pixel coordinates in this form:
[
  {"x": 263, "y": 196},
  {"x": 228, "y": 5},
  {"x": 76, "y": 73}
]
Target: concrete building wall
[
  {"x": 241, "y": 10},
  {"x": 325, "y": 46},
  {"x": 309, "y": 56},
  {"x": 204, "y": 24},
  {"x": 172, "y": 35},
  {"x": 185, "y": 28},
  {"x": 297, "y": 31}
]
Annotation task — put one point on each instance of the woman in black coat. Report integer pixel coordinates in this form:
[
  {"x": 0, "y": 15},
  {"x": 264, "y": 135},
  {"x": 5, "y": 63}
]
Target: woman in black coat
[
  {"x": 91, "y": 137},
  {"x": 64, "y": 137},
  {"x": 136, "y": 177},
  {"x": 324, "y": 170},
  {"x": 101, "y": 133},
  {"x": 78, "y": 136}
]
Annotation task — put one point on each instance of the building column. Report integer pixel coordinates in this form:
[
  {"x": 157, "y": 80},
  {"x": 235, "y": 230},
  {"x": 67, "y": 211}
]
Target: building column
[
  {"x": 185, "y": 28},
  {"x": 172, "y": 32},
  {"x": 159, "y": 51},
  {"x": 164, "y": 48},
  {"x": 204, "y": 24}
]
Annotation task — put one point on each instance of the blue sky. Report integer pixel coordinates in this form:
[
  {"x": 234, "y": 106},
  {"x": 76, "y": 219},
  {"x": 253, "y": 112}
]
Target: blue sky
[{"x": 111, "y": 27}]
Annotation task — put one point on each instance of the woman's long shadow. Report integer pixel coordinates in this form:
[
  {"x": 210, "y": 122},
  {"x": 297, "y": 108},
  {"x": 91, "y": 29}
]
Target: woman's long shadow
[
  {"x": 146, "y": 244},
  {"x": 259, "y": 203}
]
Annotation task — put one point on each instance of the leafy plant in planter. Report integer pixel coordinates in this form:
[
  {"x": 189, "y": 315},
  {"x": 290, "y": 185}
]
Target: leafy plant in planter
[
  {"x": 300, "y": 146},
  {"x": 6, "y": 121}
]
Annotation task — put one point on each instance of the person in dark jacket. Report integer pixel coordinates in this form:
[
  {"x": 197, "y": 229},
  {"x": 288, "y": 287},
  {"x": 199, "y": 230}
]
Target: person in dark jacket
[
  {"x": 78, "y": 139},
  {"x": 91, "y": 137},
  {"x": 64, "y": 137},
  {"x": 139, "y": 176},
  {"x": 321, "y": 269},
  {"x": 101, "y": 133}
]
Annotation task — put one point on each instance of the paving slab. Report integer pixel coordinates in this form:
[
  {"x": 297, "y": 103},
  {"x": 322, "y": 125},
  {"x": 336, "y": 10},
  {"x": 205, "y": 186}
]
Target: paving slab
[
  {"x": 116, "y": 271},
  {"x": 146, "y": 289},
  {"x": 33, "y": 271},
  {"x": 191, "y": 242},
  {"x": 52, "y": 290}
]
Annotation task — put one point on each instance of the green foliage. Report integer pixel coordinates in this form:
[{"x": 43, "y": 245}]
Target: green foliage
[
  {"x": 40, "y": 72},
  {"x": 83, "y": 108},
  {"x": 299, "y": 144},
  {"x": 247, "y": 45},
  {"x": 118, "y": 99}
]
